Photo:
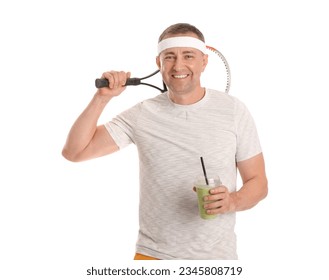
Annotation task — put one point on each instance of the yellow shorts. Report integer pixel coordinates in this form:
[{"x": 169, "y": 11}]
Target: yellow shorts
[{"x": 143, "y": 257}]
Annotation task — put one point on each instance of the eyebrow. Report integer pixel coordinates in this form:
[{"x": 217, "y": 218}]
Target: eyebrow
[{"x": 184, "y": 52}]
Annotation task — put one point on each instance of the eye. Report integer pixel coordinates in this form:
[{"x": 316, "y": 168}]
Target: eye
[
  {"x": 189, "y": 56},
  {"x": 169, "y": 57}
]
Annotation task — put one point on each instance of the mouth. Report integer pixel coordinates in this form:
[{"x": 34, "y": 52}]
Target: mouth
[{"x": 180, "y": 76}]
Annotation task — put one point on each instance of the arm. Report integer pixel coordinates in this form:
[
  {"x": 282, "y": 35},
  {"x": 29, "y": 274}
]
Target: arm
[
  {"x": 253, "y": 190},
  {"x": 254, "y": 187},
  {"x": 86, "y": 140}
]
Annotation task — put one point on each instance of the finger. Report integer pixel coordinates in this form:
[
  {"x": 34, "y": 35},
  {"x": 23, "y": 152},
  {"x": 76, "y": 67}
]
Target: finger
[
  {"x": 122, "y": 78},
  {"x": 219, "y": 196},
  {"x": 109, "y": 76},
  {"x": 116, "y": 79},
  {"x": 128, "y": 74},
  {"x": 213, "y": 205},
  {"x": 219, "y": 189},
  {"x": 216, "y": 211},
  {"x": 218, "y": 207}
]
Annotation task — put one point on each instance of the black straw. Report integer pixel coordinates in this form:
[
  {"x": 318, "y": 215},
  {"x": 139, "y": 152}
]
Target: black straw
[{"x": 204, "y": 171}]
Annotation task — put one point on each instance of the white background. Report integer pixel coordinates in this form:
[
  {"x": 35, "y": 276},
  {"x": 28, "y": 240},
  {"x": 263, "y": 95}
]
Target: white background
[{"x": 60, "y": 218}]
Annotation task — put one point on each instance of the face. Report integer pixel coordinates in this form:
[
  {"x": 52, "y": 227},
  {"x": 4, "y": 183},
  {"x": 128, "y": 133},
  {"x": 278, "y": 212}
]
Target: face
[{"x": 182, "y": 67}]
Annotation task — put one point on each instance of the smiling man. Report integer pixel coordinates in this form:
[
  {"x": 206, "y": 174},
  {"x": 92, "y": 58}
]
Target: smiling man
[
  {"x": 171, "y": 131},
  {"x": 181, "y": 67}
]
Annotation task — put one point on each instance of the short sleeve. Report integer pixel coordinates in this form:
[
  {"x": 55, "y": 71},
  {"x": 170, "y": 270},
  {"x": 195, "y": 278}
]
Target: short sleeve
[
  {"x": 248, "y": 144},
  {"x": 122, "y": 127}
]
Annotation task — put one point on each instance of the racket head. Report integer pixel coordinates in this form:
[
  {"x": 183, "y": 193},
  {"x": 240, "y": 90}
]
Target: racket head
[{"x": 217, "y": 75}]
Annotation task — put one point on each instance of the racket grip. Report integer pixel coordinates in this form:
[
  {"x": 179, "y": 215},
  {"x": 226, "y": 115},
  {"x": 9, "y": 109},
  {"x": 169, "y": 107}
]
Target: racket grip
[{"x": 101, "y": 83}]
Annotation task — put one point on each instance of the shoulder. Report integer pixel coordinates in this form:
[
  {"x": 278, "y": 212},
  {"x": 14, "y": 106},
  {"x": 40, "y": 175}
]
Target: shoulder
[
  {"x": 219, "y": 96},
  {"x": 147, "y": 103},
  {"x": 224, "y": 100},
  {"x": 154, "y": 104},
  {"x": 159, "y": 99}
]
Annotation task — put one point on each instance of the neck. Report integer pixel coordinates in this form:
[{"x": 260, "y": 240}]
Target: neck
[{"x": 187, "y": 98}]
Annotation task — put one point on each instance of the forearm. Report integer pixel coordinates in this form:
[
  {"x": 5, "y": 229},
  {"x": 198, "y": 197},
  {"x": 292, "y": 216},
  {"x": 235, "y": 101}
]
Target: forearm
[
  {"x": 252, "y": 191},
  {"x": 84, "y": 127}
]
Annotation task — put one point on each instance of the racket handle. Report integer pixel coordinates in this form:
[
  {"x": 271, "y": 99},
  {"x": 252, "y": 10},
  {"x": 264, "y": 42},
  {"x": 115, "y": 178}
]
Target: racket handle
[{"x": 100, "y": 83}]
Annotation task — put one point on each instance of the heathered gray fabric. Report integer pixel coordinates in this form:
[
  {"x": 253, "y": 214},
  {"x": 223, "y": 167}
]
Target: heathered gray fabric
[{"x": 170, "y": 139}]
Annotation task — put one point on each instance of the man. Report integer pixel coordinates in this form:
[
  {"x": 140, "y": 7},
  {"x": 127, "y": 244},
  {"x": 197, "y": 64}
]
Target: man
[{"x": 171, "y": 132}]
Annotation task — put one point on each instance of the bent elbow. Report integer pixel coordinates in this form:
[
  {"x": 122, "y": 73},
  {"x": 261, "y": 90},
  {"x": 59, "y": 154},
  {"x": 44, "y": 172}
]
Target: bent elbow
[
  {"x": 265, "y": 188},
  {"x": 69, "y": 156}
]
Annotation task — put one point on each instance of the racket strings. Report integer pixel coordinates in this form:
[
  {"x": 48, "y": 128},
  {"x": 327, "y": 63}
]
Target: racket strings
[{"x": 227, "y": 67}]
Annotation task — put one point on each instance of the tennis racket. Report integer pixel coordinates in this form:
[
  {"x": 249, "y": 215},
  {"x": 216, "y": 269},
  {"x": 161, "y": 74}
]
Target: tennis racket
[{"x": 100, "y": 83}]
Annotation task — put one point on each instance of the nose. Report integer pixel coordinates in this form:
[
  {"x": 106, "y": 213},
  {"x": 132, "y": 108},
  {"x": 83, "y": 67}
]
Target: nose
[{"x": 178, "y": 64}]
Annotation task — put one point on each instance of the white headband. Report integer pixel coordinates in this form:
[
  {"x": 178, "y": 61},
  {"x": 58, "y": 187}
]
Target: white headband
[{"x": 184, "y": 41}]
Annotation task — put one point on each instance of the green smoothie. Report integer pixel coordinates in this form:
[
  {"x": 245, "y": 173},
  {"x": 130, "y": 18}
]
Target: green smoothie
[{"x": 202, "y": 190}]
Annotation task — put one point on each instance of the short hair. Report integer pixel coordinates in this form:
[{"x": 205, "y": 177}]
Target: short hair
[{"x": 181, "y": 28}]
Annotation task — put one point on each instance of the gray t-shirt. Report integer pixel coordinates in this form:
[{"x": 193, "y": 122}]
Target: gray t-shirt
[{"x": 170, "y": 139}]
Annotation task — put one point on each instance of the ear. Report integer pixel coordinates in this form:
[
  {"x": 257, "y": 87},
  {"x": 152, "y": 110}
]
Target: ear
[
  {"x": 205, "y": 62},
  {"x": 158, "y": 62}
]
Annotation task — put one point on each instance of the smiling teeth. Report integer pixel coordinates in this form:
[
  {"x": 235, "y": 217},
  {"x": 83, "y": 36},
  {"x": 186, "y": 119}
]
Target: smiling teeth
[{"x": 180, "y": 76}]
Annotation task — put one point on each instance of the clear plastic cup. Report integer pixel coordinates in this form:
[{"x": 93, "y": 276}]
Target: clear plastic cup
[{"x": 202, "y": 189}]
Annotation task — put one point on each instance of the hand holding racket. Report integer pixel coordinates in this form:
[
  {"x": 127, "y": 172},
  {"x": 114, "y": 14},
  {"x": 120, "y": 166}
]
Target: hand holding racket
[
  {"x": 103, "y": 82},
  {"x": 116, "y": 81},
  {"x": 100, "y": 83}
]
